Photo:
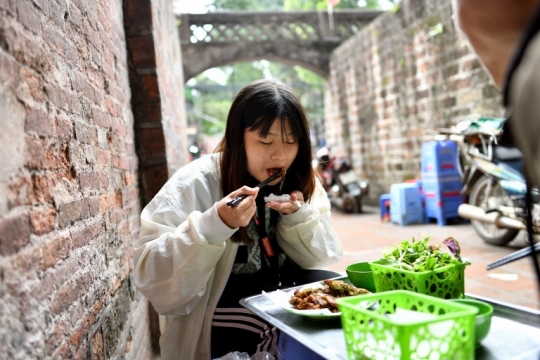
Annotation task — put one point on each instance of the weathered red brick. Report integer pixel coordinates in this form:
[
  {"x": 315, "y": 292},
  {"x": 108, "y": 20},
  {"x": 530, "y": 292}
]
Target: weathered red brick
[
  {"x": 60, "y": 331},
  {"x": 112, "y": 106},
  {"x": 151, "y": 86},
  {"x": 100, "y": 118},
  {"x": 75, "y": 17},
  {"x": 57, "y": 12},
  {"x": 85, "y": 134},
  {"x": 34, "y": 82},
  {"x": 82, "y": 235},
  {"x": 97, "y": 346},
  {"x": 70, "y": 292},
  {"x": 42, "y": 188},
  {"x": 42, "y": 156},
  {"x": 20, "y": 192},
  {"x": 93, "y": 206},
  {"x": 9, "y": 71},
  {"x": 54, "y": 251},
  {"x": 142, "y": 52},
  {"x": 72, "y": 211},
  {"x": 35, "y": 153},
  {"x": 148, "y": 112},
  {"x": 55, "y": 39},
  {"x": 8, "y": 6},
  {"x": 57, "y": 96},
  {"x": 81, "y": 85},
  {"x": 42, "y": 220},
  {"x": 154, "y": 177},
  {"x": 121, "y": 162},
  {"x": 119, "y": 126},
  {"x": 137, "y": 14},
  {"x": 38, "y": 122},
  {"x": 104, "y": 157},
  {"x": 64, "y": 129},
  {"x": 14, "y": 233},
  {"x": 62, "y": 352},
  {"x": 152, "y": 144},
  {"x": 109, "y": 201},
  {"x": 89, "y": 180},
  {"x": 28, "y": 16}
]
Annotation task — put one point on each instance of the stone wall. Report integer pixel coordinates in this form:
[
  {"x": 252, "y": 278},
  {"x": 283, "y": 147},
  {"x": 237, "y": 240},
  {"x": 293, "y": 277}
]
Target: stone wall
[
  {"x": 394, "y": 84},
  {"x": 69, "y": 172}
]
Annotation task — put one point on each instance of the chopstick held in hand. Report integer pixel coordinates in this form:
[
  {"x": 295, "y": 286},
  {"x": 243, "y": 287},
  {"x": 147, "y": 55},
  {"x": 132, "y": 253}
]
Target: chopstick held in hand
[{"x": 274, "y": 176}]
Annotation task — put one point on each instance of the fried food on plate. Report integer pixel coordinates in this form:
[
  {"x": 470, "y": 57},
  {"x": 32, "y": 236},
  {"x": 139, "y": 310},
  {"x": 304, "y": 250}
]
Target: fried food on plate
[{"x": 324, "y": 297}]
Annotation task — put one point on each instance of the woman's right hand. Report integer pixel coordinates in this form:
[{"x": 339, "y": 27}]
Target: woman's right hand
[{"x": 239, "y": 215}]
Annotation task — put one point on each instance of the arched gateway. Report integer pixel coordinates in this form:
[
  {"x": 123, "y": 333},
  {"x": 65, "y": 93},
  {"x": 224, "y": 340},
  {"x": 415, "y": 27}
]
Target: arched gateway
[{"x": 297, "y": 38}]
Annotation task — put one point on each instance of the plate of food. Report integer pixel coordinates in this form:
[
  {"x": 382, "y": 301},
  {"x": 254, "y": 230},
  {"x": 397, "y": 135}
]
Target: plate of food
[{"x": 317, "y": 300}]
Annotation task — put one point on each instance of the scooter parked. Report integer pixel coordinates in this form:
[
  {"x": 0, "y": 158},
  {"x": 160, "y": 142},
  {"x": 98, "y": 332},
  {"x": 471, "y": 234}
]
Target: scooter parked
[
  {"x": 494, "y": 182},
  {"x": 345, "y": 190}
]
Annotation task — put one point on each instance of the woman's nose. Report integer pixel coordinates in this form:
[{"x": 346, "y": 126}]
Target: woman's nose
[{"x": 278, "y": 153}]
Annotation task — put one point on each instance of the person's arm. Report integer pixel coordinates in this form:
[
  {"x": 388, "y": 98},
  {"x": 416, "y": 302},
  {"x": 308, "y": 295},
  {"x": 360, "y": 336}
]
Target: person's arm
[
  {"x": 307, "y": 236},
  {"x": 493, "y": 29},
  {"x": 182, "y": 237}
]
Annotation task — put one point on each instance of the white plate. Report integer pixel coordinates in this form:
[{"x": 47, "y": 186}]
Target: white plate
[{"x": 281, "y": 298}]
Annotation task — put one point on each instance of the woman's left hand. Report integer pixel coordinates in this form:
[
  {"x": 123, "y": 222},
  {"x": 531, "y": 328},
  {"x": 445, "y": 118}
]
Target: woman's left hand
[{"x": 288, "y": 207}]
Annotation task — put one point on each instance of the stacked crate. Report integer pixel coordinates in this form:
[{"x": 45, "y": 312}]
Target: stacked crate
[
  {"x": 405, "y": 204},
  {"x": 441, "y": 180}
]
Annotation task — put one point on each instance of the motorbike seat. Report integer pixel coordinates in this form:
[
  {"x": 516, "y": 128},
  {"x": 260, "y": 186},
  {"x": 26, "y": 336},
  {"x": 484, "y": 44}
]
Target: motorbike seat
[{"x": 506, "y": 153}]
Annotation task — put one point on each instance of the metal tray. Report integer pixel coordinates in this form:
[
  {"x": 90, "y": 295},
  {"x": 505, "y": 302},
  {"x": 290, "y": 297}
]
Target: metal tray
[{"x": 514, "y": 333}]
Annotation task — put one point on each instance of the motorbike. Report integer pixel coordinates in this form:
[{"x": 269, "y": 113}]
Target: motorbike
[
  {"x": 493, "y": 182},
  {"x": 345, "y": 190}
]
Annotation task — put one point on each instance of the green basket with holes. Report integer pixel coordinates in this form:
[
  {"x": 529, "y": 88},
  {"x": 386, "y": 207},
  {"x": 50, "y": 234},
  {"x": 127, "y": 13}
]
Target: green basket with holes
[
  {"x": 406, "y": 325},
  {"x": 447, "y": 282}
]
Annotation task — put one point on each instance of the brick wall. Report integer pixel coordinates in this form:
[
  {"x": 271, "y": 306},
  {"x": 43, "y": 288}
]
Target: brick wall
[
  {"x": 393, "y": 84},
  {"x": 69, "y": 181}
]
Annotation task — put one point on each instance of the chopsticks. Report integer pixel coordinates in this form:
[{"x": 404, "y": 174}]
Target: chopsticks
[{"x": 271, "y": 178}]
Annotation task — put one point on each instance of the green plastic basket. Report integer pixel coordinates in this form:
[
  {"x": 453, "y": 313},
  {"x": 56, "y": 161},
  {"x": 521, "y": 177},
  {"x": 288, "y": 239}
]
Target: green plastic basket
[
  {"x": 447, "y": 282},
  {"x": 406, "y": 325}
]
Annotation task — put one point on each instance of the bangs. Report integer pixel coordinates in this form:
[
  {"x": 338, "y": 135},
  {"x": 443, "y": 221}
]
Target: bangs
[{"x": 262, "y": 118}]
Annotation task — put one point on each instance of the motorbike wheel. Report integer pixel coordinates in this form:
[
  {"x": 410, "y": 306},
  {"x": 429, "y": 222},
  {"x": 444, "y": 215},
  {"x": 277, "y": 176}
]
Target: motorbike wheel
[
  {"x": 358, "y": 200},
  {"x": 352, "y": 205},
  {"x": 490, "y": 232}
]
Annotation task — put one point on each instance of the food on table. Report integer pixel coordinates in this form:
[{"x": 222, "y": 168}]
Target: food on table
[
  {"x": 324, "y": 297},
  {"x": 419, "y": 256}
]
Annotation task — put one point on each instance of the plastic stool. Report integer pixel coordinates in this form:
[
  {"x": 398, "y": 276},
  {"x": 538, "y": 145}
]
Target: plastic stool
[{"x": 384, "y": 206}]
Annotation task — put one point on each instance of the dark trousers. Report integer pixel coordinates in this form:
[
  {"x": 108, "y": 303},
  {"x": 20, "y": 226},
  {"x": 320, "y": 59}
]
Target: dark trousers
[{"x": 234, "y": 330}]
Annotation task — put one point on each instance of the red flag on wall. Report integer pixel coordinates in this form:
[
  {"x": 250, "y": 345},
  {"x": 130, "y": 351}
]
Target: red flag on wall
[{"x": 333, "y": 2}]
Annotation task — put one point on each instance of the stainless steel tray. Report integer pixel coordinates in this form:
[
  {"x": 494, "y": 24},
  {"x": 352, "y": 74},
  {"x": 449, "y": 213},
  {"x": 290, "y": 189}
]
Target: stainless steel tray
[{"x": 514, "y": 334}]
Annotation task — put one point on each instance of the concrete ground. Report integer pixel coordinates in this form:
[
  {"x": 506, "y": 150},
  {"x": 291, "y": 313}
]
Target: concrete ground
[{"x": 364, "y": 237}]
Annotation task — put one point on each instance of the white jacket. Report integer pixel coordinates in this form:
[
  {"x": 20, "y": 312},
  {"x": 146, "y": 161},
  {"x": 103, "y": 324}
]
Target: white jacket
[{"x": 184, "y": 254}]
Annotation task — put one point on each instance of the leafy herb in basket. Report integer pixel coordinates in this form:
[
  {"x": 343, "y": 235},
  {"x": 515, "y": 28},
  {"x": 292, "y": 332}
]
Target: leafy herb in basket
[{"x": 419, "y": 256}]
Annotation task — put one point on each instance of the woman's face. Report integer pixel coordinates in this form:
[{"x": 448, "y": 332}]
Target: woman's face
[{"x": 266, "y": 154}]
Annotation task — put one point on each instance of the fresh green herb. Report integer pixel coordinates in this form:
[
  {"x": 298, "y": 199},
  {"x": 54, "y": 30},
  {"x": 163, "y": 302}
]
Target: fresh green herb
[{"x": 419, "y": 256}]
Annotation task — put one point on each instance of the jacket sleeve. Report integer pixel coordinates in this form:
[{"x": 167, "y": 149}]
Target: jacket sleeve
[
  {"x": 178, "y": 249},
  {"x": 307, "y": 236}
]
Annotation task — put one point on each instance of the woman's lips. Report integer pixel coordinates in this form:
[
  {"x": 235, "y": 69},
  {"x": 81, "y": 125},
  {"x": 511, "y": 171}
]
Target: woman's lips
[{"x": 271, "y": 171}]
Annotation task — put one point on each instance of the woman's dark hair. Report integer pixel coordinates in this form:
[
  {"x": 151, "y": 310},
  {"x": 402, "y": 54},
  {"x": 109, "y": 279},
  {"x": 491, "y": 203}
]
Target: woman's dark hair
[{"x": 256, "y": 107}]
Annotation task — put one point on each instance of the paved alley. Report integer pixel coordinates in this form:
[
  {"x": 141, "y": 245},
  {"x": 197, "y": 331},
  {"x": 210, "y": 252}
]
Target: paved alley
[{"x": 364, "y": 237}]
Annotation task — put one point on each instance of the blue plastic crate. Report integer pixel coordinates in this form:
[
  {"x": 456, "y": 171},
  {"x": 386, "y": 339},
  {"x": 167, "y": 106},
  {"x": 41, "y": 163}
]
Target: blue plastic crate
[
  {"x": 442, "y": 185},
  {"x": 406, "y": 204},
  {"x": 404, "y": 198},
  {"x": 439, "y": 157},
  {"x": 411, "y": 217},
  {"x": 442, "y": 208}
]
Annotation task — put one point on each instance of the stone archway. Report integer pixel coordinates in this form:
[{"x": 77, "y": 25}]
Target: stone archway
[{"x": 305, "y": 38}]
